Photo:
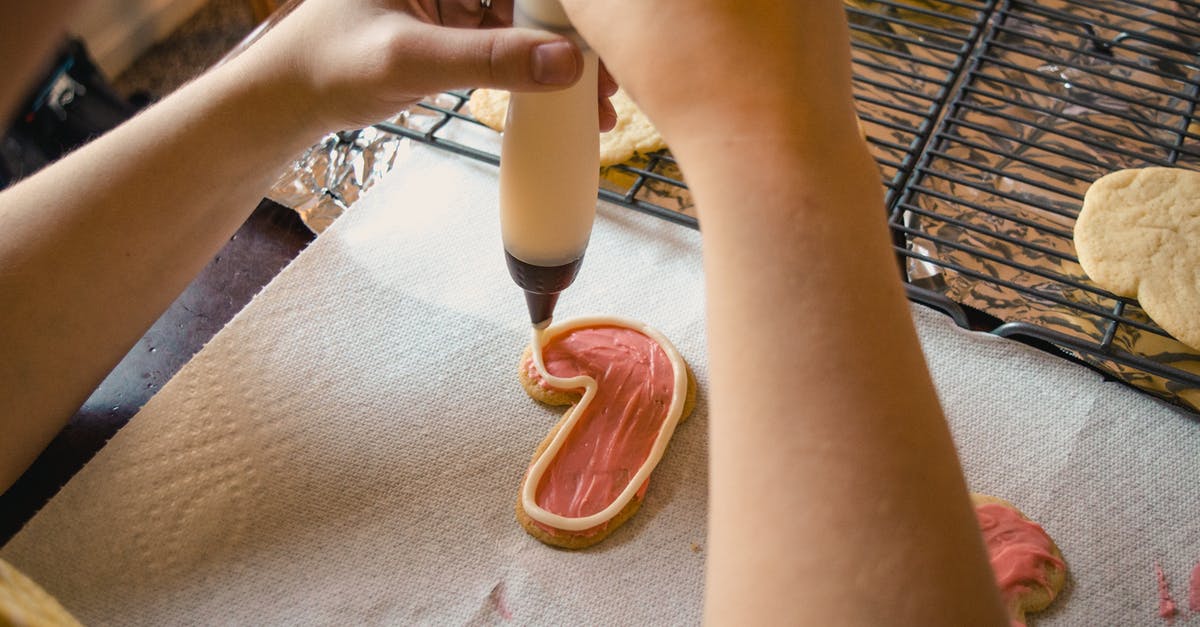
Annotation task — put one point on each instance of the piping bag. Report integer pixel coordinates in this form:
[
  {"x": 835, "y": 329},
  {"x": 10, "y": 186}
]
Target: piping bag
[{"x": 549, "y": 173}]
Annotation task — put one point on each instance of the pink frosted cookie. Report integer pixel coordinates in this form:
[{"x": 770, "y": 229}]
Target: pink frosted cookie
[
  {"x": 627, "y": 388},
  {"x": 1028, "y": 565}
]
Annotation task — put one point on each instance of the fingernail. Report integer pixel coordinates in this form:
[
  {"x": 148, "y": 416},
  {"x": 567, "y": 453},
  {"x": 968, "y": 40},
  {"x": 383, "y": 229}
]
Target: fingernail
[{"x": 554, "y": 63}]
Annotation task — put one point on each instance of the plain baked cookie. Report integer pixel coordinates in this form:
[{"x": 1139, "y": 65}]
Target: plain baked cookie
[
  {"x": 633, "y": 134},
  {"x": 1027, "y": 564},
  {"x": 23, "y": 602},
  {"x": 544, "y": 394},
  {"x": 1138, "y": 235}
]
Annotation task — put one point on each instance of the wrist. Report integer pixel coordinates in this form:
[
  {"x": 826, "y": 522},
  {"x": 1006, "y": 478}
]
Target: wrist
[
  {"x": 772, "y": 163},
  {"x": 269, "y": 102}
]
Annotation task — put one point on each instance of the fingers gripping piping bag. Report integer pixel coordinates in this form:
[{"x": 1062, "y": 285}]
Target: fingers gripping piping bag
[{"x": 549, "y": 172}]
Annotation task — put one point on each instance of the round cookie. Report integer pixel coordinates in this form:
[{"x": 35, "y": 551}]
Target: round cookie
[
  {"x": 1138, "y": 235},
  {"x": 633, "y": 133},
  {"x": 1028, "y": 566},
  {"x": 536, "y": 389},
  {"x": 489, "y": 106}
]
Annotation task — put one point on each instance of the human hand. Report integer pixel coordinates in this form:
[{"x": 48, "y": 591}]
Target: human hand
[
  {"x": 346, "y": 64},
  {"x": 753, "y": 69}
]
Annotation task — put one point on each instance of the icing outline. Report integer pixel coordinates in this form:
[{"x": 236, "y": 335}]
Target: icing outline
[{"x": 533, "y": 476}]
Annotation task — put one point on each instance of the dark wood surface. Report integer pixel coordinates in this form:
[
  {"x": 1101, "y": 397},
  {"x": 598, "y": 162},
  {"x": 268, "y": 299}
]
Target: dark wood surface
[{"x": 268, "y": 241}]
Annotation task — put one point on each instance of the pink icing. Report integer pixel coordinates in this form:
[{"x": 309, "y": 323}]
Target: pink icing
[
  {"x": 1194, "y": 590},
  {"x": 1019, "y": 550},
  {"x": 1166, "y": 604},
  {"x": 614, "y": 435}
]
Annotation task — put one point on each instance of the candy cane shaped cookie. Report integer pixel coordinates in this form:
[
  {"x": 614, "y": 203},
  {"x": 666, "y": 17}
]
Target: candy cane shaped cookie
[
  {"x": 628, "y": 388},
  {"x": 1029, "y": 568}
]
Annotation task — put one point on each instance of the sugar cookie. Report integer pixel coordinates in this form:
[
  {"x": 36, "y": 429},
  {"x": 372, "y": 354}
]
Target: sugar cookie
[
  {"x": 1138, "y": 235},
  {"x": 628, "y": 389},
  {"x": 1029, "y": 568},
  {"x": 23, "y": 602},
  {"x": 633, "y": 134}
]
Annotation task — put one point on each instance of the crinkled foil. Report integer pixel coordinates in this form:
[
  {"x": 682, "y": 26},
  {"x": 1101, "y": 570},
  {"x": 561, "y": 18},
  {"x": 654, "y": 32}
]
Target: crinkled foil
[
  {"x": 331, "y": 175},
  {"x": 650, "y": 179}
]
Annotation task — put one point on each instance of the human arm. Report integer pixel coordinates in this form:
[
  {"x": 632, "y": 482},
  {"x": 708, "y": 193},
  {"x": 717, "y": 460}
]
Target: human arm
[
  {"x": 95, "y": 247},
  {"x": 836, "y": 496}
]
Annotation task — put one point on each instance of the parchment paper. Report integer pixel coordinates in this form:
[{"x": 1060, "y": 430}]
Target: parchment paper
[{"x": 348, "y": 449}]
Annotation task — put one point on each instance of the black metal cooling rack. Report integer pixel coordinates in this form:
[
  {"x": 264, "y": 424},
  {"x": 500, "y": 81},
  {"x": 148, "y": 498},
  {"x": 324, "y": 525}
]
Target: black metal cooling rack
[{"x": 989, "y": 119}]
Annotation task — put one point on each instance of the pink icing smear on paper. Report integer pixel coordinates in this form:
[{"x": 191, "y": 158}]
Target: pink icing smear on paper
[
  {"x": 1166, "y": 605},
  {"x": 496, "y": 598},
  {"x": 1194, "y": 590}
]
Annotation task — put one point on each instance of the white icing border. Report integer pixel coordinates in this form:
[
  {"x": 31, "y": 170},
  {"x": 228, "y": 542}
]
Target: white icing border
[{"x": 534, "y": 476}]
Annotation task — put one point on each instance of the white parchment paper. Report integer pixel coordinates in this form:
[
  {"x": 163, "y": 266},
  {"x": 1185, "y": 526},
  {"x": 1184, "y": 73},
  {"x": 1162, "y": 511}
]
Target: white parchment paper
[{"x": 348, "y": 449}]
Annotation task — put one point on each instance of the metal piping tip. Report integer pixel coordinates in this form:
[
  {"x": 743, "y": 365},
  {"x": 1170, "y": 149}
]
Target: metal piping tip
[{"x": 541, "y": 308}]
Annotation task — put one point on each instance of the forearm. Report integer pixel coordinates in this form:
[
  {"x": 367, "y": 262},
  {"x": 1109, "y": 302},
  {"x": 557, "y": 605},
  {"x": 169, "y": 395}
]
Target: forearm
[
  {"x": 827, "y": 439},
  {"x": 96, "y": 246}
]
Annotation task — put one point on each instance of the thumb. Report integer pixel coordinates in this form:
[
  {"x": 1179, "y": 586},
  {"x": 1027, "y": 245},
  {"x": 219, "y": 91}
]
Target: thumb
[{"x": 517, "y": 59}]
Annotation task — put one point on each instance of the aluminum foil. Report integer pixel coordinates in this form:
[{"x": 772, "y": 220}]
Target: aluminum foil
[
  {"x": 331, "y": 175},
  {"x": 651, "y": 179}
]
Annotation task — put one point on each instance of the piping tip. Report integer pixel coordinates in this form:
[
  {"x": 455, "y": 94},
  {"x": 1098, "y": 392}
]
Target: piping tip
[{"x": 541, "y": 308}]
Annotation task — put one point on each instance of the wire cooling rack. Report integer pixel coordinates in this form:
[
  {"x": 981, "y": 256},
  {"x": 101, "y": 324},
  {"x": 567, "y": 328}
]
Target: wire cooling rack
[{"x": 989, "y": 119}]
